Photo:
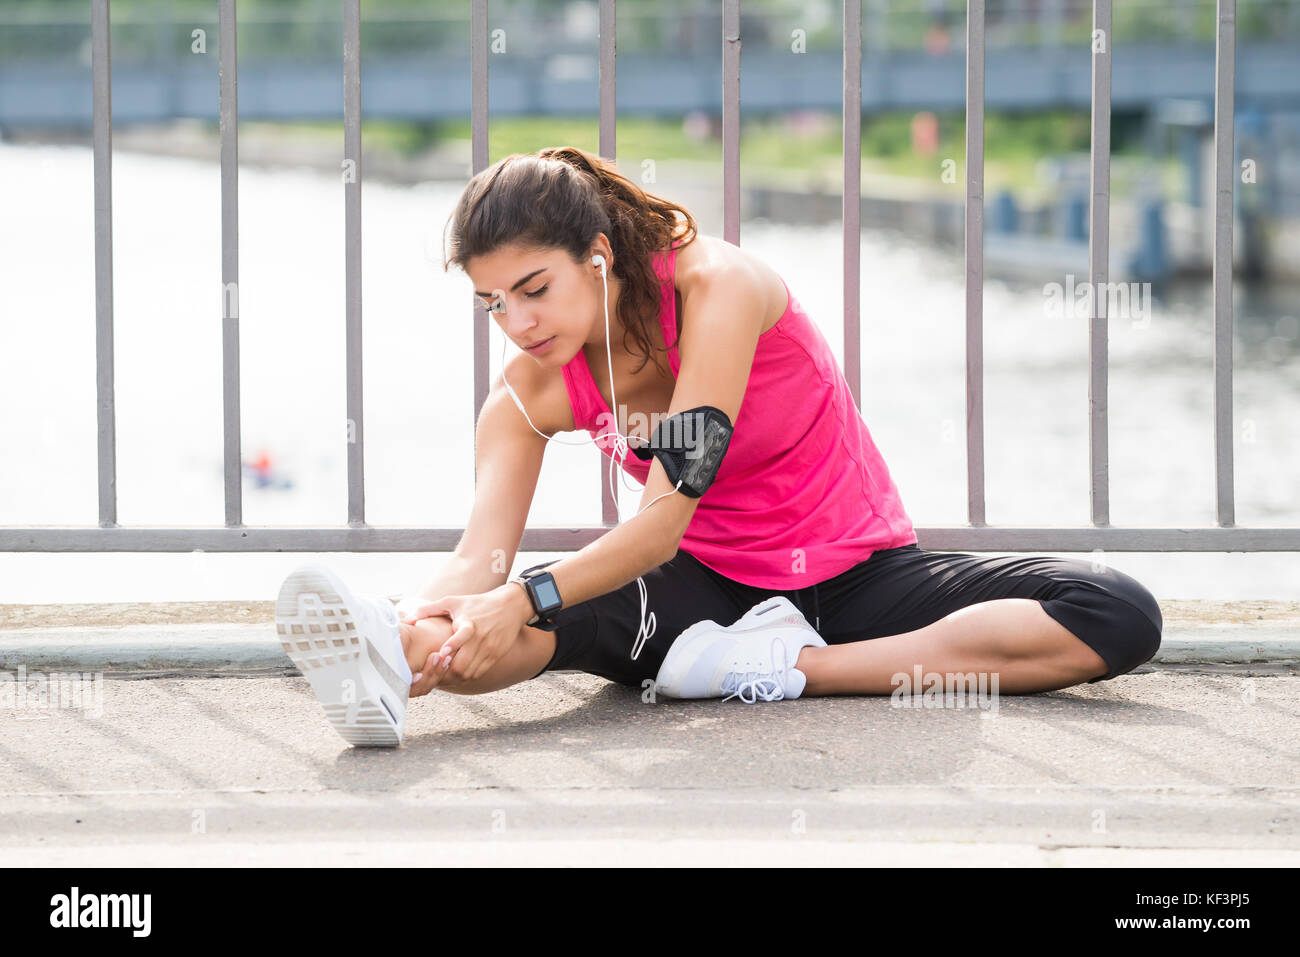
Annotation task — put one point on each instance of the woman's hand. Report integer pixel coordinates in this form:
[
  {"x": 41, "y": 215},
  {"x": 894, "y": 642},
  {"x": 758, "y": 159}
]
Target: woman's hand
[
  {"x": 483, "y": 629},
  {"x": 414, "y": 607}
]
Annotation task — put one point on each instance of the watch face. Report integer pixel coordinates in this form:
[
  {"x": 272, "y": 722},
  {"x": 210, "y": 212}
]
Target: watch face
[{"x": 547, "y": 594}]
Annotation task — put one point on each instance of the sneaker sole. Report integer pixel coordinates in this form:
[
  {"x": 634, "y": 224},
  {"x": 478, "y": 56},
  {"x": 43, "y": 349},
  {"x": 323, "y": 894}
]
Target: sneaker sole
[{"x": 318, "y": 632}]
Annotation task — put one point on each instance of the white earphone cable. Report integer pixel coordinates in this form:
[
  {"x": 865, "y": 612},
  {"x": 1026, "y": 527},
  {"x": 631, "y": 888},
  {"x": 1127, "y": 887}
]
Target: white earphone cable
[
  {"x": 621, "y": 447},
  {"x": 647, "y": 628}
]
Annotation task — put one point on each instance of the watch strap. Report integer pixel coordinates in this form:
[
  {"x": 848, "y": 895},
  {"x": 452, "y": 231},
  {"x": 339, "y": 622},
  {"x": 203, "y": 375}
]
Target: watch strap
[{"x": 522, "y": 583}]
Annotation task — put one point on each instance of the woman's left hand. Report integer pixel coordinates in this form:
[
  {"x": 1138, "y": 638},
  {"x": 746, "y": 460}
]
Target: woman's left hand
[{"x": 483, "y": 627}]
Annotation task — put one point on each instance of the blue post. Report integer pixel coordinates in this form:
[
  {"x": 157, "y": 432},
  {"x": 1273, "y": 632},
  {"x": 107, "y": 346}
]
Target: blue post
[
  {"x": 1151, "y": 258},
  {"x": 1006, "y": 215},
  {"x": 1189, "y": 142},
  {"x": 1076, "y": 217}
]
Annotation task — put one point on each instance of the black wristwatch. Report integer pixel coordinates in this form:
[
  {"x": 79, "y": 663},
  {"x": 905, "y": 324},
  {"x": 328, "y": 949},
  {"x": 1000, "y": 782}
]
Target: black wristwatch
[{"x": 543, "y": 594}]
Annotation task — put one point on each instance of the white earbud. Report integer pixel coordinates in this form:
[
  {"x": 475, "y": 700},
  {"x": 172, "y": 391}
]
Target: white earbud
[{"x": 621, "y": 446}]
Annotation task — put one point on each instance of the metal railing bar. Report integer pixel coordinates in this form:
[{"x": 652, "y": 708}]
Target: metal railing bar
[
  {"x": 371, "y": 538},
  {"x": 975, "y": 261},
  {"x": 355, "y": 425},
  {"x": 232, "y": 451},
  {"x": 478, "y": 109},
  {"x": 731, "y": 121},
  {"x": 1098, "y": 268},
  {"x": 851, "y": 210},
  {"x": 1225, "y": 173},
  {"x": 609, "y": 150},
  {"x": 102, "y": 138}
]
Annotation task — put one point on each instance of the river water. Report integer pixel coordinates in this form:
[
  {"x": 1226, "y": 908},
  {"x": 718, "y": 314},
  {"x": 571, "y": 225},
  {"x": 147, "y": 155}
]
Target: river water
[{"x": 418, "y": 403}]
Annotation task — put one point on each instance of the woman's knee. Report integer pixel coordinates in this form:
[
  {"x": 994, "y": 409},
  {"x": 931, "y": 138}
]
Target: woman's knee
[
  {"x": 1137, "y": 622},
  {"x": 1116, "y": 615}
]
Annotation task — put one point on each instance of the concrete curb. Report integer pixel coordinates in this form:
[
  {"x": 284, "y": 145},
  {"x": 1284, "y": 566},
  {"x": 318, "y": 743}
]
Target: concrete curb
[
  {"x": 253, "y": 647},
  {"x": 206, "y": 647}
]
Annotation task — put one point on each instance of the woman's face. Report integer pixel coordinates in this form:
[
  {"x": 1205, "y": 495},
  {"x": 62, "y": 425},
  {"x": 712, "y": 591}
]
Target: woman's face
[{"x": 540, "y": 295}]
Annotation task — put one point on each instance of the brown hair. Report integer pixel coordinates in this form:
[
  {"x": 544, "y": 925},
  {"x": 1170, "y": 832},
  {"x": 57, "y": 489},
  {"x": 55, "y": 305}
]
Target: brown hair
[{"x": 563, "y": 197}]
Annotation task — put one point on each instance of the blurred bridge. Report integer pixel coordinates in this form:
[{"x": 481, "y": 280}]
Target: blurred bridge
[{"x": 564, "y": 80}]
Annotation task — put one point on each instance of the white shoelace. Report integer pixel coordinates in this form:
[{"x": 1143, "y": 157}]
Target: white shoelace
[
  {"x": 768, "y": 685},
  {"x": 647, "y": 628}
]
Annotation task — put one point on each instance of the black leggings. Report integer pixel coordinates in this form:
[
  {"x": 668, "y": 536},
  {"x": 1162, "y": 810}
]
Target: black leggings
[{"x": 894, "y": 591}]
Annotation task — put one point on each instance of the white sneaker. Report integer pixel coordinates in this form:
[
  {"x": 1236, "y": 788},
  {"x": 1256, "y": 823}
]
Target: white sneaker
[
  {"x": 752, "y": 658},
  {"x": 349, "y": 648}
]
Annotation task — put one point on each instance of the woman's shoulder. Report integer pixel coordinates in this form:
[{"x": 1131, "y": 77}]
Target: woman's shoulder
[
  {"x": 544, "y": 394},
  {"x": 702, "y": 257},
  {"x": 708, "y": 256}
]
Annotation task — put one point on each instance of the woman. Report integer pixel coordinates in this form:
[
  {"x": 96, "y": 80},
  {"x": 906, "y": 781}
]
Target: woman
[{"x": 619, "y": 304}]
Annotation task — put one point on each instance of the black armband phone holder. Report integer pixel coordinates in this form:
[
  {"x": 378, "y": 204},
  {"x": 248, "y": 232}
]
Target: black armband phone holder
[{"x": 690, "y": 445}]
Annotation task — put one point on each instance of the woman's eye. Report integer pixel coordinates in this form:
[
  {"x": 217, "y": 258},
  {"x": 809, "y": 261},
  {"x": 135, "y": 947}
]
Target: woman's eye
[{"x": 534, "y": 295}]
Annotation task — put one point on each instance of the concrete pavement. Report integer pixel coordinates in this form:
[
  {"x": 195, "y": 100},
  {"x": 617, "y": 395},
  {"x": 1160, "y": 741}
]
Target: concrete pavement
[{"x": 1161, "y": 768}]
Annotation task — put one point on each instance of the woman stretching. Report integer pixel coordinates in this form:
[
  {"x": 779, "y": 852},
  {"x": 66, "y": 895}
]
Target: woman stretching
[{"x": 771, "y": 556}]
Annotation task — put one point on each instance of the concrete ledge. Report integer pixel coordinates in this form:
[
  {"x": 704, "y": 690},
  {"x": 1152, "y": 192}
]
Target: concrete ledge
[
  {"x": 329, "y": 851},
  {"x": 239, "y": 637},
  {"x": 203, "y": 647}
]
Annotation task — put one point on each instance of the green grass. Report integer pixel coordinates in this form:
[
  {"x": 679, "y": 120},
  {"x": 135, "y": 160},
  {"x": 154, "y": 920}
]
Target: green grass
[{"x": 1015, "y": 144}]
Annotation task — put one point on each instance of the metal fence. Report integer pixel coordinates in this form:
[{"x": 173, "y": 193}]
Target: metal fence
[{"x": 234, "y": 536}]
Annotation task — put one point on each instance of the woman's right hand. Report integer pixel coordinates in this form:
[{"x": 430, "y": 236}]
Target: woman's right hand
[{"x": 429, "y": 676}]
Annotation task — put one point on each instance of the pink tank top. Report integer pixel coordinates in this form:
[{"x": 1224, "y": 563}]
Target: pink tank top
[{"x": 802, "y": 494}]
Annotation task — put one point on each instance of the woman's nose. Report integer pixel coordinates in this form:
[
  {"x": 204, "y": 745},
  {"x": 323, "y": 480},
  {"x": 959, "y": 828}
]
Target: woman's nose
[{"x": 519, "y": 324}]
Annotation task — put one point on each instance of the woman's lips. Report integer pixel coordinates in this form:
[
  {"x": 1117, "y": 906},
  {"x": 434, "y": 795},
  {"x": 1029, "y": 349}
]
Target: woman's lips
[{"x": 541, "y": 346}]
